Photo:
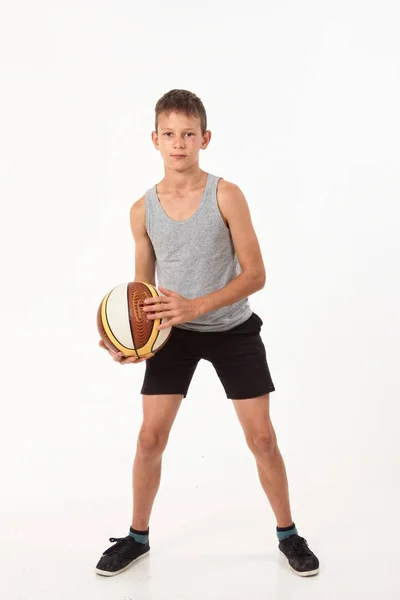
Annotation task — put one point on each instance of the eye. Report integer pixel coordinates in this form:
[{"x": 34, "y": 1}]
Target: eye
[
  {"x": 167, "y": 133},
  {"x": 189, "y": 133}
]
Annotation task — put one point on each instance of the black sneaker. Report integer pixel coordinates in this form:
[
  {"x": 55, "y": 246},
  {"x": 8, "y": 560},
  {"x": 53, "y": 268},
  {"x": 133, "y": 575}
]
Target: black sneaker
[
  {"x": 301, "y": 560},
  {"x": 121, "y": 555}
]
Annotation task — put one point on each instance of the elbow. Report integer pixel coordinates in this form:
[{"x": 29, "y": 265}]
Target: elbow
[
  {"x": 261, "y": 281},
  {"x": 258, "y": 280}
]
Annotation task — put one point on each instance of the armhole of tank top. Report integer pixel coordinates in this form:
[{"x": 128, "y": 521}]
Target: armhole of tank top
[
  {"x": 216, "y": 205},
  {"x": 147, "y": 206}
]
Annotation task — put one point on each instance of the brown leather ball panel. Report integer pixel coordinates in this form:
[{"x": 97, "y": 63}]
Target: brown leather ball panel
[{"x": 141, "y": 326}]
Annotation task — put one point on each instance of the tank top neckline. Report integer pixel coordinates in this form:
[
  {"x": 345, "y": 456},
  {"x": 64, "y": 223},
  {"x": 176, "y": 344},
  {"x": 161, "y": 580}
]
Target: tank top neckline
[{"x": 200, "y": 206}]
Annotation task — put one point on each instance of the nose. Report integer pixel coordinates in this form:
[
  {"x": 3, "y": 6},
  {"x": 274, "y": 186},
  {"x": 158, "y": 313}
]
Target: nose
[{"x": 179, "y": 142}]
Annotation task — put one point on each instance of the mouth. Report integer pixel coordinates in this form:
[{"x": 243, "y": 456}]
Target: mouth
[{"x": 178, "y": 155}]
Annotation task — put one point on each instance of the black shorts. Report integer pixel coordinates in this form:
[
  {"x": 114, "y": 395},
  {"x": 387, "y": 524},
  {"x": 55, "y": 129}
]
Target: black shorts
[{"x": 238, "y": 356}]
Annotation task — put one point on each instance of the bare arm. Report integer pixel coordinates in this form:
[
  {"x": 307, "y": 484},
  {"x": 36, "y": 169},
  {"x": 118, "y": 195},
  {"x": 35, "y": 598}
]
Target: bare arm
[
  {"x": 144, "y": 266},
  {"x": 145, "y": 259},
  {"x": 236, "y": 213}
]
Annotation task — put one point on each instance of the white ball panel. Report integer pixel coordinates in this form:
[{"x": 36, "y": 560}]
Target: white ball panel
[
  {"x": 118, "y": 315},
  {"x": 162, "y": 336}
]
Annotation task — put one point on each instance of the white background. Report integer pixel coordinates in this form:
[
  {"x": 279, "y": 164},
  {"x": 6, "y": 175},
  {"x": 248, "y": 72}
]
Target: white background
[{"x": 303, "y": 102}]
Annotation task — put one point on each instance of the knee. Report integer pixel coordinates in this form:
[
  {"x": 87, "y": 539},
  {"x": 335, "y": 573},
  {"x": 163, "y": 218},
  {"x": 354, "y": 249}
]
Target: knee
[
  {"x": 151, "y": 443},
  {"x": 263, "y": 443}
]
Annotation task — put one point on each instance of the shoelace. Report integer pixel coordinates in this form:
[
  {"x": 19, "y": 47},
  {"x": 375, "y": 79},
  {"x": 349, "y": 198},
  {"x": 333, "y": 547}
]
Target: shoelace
[
  {"x": 120, "y": 547},
  {"x": 300, "y": 546}
]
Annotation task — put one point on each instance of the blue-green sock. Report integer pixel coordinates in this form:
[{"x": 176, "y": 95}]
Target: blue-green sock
[
  {"x": 140, "y": 536},
  {"x": 285, "y": 532}
]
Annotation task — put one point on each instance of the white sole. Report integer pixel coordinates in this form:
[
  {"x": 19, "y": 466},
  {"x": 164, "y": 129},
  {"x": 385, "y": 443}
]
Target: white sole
[
  {"x": 301, "y": 573},
  {"x": 111, "y": 574}
]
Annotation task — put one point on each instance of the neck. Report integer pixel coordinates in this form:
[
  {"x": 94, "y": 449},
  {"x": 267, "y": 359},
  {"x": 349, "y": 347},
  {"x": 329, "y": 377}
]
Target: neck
[{"x": 182, "y": 180}]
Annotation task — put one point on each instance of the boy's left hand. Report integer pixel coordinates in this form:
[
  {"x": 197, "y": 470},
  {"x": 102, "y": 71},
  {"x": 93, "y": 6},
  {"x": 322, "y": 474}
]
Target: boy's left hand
[{"x": 173, "y": 307}]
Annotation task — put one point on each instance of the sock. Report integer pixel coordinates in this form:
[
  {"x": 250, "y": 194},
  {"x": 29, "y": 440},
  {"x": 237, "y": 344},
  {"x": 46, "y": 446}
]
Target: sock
[
  {"x": 285, "y": 532},
  {"x": 140, "y": 536}
]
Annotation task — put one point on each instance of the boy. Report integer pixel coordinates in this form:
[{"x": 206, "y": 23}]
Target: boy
[{"x": 195, "y": 229}]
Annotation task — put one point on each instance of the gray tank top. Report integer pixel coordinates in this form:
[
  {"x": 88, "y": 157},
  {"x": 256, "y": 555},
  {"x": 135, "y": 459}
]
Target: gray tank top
[{"x": 196, "y": 257}]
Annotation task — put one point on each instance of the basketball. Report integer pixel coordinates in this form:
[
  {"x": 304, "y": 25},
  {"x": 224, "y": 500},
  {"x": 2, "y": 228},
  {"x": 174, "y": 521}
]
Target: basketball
[{"x": 122, "y": 324}]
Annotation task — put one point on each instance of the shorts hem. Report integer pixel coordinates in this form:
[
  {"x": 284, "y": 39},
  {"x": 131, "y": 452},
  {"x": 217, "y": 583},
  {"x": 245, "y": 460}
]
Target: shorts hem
[
  {"x": 248, "y": 396},
  {"x": 145, "y": 392}
]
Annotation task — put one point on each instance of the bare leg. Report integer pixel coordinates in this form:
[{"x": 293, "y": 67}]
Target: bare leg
[
  {"x": 159, "y": 413},
  {"x": 260, "y": 436},
  {"x": 272, "y": 474}
]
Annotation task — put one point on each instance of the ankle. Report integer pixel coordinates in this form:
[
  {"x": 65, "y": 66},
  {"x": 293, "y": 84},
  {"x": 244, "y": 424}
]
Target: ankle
[
  {"x": 140, "y": 536},
  {"x": 285, "y": 532},
  {"x": 139, "y": 525}
]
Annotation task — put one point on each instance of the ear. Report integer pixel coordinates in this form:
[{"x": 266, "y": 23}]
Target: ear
[
  {"x": 154, "y": 138},
  {"x": 206, "y": 139}
]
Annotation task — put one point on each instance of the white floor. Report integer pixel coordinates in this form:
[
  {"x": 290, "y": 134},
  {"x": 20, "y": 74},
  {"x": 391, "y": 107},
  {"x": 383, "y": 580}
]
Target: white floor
[
  {"x": 205, "y": 546},
  {"x": 212, "y": 531}
]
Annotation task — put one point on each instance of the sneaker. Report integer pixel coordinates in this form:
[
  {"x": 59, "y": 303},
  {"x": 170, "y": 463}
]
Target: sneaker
[
  {"x": 301, "y": 560},
  {"x": 121, "y": 555}
]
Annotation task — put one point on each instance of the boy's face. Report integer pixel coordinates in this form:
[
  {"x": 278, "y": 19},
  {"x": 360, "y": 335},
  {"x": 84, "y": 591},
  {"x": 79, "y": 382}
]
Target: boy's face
[{"x": 179, "y": 139}]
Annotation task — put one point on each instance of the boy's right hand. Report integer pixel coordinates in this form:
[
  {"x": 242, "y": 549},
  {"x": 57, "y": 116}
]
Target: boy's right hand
[{"x": 120, "y": 358}]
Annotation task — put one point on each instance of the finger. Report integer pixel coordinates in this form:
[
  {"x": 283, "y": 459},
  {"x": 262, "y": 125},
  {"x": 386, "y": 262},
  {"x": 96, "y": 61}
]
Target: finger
[
  {"x": 156, "y": 300},
  {"x": 126, "y": 360},
  {"x": 168, "y": 323},
  {"x": 135, "y": 358},
  {"x": 153, "y": 307},
  {"x": 166, "y": 291},
  {"x": 166, "y": 314}
]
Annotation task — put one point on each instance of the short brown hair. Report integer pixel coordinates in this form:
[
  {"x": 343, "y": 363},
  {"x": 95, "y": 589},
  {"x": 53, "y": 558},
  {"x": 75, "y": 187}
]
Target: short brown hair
[{"x": 182, "y": 101}]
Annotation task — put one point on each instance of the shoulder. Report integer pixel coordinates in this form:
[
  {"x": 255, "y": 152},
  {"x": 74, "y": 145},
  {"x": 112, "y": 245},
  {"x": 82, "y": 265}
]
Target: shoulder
[
  {"x": 230, "y": 198},
  {"x": 227, "y": 188},
  {"x": 138, "y": 206},
  {"x": 137, "y": 215}
]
